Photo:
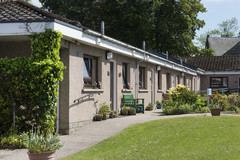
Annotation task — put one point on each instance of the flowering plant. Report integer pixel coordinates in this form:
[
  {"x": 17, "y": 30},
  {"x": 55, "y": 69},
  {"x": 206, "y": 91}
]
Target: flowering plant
[
  {"x": 213, "y": 102},
  {"x": 95, "y": 84},
  {"x": 39, "y": 143}
]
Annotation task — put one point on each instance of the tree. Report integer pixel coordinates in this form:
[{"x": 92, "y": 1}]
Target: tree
[
  {"x": 166, "y": 25},
  {"x": 202, "y": 38},
  {"x": 175, "y": 25},
  {"x": 227, "y": 28}
]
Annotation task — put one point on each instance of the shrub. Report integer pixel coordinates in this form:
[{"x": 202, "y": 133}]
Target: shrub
[
  {"x": 13, "y": 140},
  {"x": 31, "y": 83},
  {"x": 232, "y": 108},
  {"x": 175, "y": 107},
  {"x": 182, "y": 94},
  {"x": 104, "y": 108}
]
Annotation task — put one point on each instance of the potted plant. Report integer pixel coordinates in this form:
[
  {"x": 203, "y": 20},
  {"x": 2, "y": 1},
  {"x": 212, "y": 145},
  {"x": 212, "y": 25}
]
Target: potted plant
[
  {"x": 132, "y": 111},
  {"x": 98, "y": 117},
  {"x": 215, "y": 108},
  {"x": 158, "y": 104},
  {"x": 41, "y": 146},
  {"x": 104, "y": 110},
  {"x": 115, "y": 114},
  {"x": 125, "y": 110},
  {"x": 111, "y": 114},
  {"x": 149, "y": 107}
]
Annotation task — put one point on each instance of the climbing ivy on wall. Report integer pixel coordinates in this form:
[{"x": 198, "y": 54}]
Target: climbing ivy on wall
[{"x": 31, "y": 84}]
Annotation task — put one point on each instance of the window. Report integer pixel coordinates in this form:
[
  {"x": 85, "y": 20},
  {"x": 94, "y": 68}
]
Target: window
[
  {"x": 125, "y": 80},
  {"x": 141, "y": 77},
  {"x": 90, "y": 74},
  {"x": 159, "y": 80},
  {"x": 218, "y": 82},
  {"x": 168, "y": 81}
]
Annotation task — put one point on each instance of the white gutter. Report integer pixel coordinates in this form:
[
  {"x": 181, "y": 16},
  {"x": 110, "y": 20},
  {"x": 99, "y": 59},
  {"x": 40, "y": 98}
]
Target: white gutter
[
  {"x": 222, "y": 73},
  {"x": 89, "y": 37},
  {"x": 152, "y": 58}
]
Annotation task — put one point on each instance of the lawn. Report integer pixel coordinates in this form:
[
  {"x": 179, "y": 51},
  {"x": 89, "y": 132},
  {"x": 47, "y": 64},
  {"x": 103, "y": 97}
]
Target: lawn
[{"x": 199, "y": 137}]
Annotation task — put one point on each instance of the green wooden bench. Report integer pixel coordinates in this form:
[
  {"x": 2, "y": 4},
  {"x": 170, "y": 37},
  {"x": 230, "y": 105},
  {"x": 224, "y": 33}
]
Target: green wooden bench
[{"x": 130, "y": 101}]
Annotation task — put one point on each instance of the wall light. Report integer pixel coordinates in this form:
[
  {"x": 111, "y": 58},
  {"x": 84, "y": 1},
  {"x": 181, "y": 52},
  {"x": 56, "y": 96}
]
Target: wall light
[
  {"x": 109, "y": 55},
  {"x": 158, "y": 68}
]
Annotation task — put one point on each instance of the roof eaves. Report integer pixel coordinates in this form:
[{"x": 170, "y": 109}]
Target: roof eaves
[{"x": 27, "y": 21}]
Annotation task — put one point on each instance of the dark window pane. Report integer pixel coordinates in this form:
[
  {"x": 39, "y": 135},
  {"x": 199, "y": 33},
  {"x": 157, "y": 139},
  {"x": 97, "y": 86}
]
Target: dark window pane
[
  {"x": 124, "y": 75},
  {"x": 89, "y": 70},
  {"x": 141, "y": 77},
  {"x": 218, "y": 82}
]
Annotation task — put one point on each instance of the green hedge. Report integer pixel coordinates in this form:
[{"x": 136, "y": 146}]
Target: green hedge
[{"x": 31, "y": 83}]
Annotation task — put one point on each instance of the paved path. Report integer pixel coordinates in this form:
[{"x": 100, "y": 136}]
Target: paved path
[{"x": 93, "y": 133}]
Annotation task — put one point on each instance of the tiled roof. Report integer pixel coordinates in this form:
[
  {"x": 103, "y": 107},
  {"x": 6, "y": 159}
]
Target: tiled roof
[
  {"x": 215, "y": 63},
  {"x": 20, "y": 11}
]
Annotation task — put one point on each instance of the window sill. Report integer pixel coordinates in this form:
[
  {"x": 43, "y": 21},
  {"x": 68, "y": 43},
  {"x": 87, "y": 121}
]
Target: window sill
[
  {"x": 90, "y": 90},
  {"x": 126, "y": 90},
  {"x": 167, "y": 91},
  {"x": 159, "y": 91},
  {"x": 143, "y": 91}
]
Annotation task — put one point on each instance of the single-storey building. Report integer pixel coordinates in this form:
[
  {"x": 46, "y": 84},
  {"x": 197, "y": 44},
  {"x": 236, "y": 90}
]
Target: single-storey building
[
  {"x": 220, "y": 71},
  {"x": 98, "y": 68}
]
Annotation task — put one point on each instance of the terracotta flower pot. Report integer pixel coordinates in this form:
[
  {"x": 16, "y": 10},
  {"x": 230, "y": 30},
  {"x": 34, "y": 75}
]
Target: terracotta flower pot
[
  {"x": 41, "y": 156},
  {"x": 215, "y": 111}
]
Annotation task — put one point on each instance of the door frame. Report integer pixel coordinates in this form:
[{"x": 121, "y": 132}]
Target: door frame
[
  {"x": 114, "y": 101},
  {"x": 152, "y": 86}
]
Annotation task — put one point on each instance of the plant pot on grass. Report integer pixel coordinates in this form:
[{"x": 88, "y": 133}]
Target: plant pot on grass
[
  {"x": 42, "y": 147},
  {"x": 215, "y": 111}
]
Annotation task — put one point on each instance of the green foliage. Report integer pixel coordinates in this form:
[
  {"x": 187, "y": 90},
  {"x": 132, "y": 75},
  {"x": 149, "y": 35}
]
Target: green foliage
[
  {"x": 183, "y": 101},
  {"x": 183, "y": 95},
  {"x": 31, "y": 83},
  {"x": 104, "y": 108},
  {"x": 39, "y": 143},
  {"x": 166, "y": 25},
  {"x": 150, "y": 104},
  {"x": 13, "y": 140},
  {"x": 173, "y": 108},
  {"x": 125, "y": 108},
  {"x": 158, "y": 102}
]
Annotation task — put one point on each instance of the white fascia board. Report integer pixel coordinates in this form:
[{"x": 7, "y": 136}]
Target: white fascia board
[
  {"x": 222, "y": 73},
  {"x": 89, "y": 37},
  {"x": 27, "y": 28},
  {"x": 98, "y": 40}
]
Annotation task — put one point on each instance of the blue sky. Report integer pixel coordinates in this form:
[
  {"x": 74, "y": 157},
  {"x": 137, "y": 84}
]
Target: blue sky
[{"x": 217, "y": 11}]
